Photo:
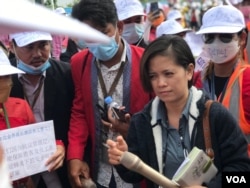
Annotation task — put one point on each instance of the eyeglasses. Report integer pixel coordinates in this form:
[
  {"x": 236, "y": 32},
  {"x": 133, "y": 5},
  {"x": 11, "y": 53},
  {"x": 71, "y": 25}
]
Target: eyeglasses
[{"x": 225, "y": 37}]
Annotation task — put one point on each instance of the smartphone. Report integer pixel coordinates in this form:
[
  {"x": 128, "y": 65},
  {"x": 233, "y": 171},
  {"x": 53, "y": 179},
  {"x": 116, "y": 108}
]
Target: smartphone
[
  {"x": 119, "y": 114},
  {"x": 154, "y": 6}
]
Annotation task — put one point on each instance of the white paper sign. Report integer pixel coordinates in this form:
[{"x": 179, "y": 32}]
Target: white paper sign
[{"x": 27, "y": 148}]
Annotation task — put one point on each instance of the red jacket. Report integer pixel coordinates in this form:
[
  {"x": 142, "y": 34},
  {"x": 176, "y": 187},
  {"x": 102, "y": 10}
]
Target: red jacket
[
  {"x": 82, "y": 124},
  {"x": 19, "y": 113}
]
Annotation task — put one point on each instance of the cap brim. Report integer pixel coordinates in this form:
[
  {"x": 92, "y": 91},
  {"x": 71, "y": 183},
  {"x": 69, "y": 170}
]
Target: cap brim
[
  {"x": 131, "y": 14},
  {"x": 218, "y": 29},
  {"x": 180, "y": 31},
  {"x": 186, "y": 30},
  {"x": 9, "y": 70},
  {"x": 21, "y": 43}
]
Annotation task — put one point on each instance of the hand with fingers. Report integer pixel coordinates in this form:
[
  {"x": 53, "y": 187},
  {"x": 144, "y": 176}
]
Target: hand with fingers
[
  {"x": 56, "y": 160},
  {"x": 116, "y": 149},
  {"x": 153, "y": 15},
  {"x": 79, "y": 173},
  {"x": 116, "y": 125}
]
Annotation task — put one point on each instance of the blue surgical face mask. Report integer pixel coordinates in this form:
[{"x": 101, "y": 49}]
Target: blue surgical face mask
[
  {"x": 81, "y": 44},
  {"x": 31, "y": 69},
  {"x": 132, "y": 32},
  {"x": 105, "y": 52}
]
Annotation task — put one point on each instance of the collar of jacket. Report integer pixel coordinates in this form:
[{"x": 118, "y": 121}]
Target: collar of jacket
[{"x": 193, "y": 111}]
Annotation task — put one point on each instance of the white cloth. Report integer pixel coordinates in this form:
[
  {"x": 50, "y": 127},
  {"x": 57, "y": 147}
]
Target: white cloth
[{"x": 109, "y": 74}]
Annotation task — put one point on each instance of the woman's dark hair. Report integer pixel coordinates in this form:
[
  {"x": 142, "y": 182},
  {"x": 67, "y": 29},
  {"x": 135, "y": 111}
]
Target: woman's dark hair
[
  {"x": 99, "y": 12},
  {"x": 170, "y": 46}
]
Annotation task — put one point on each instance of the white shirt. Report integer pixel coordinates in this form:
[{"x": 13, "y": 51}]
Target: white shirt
[{"x": 109, "y": 74}]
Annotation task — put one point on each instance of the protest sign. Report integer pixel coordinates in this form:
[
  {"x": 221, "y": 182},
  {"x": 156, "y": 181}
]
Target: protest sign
[{"x": 27, "y": 148}]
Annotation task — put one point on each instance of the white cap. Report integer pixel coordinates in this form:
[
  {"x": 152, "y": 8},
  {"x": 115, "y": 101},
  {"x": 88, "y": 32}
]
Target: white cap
[
  {"x": 5, "y": 67},
  {"x": 174, "y": 14},
  {"x": 128, "y": 8},
  {"x": 25, "y": 38},
  {"x": 60, "y": 10},
  {"x": 222, "y": 19},
  {"x": 170, "y": 27}
]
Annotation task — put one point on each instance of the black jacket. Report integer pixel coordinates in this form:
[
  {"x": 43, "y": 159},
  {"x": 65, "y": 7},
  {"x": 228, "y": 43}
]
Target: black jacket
[
  {"x": 58, "y": 97},
  {"x": 228, "y": 142}
]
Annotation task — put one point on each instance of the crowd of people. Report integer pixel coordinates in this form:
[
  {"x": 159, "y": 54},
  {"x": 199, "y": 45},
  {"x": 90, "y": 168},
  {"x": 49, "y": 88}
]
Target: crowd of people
[{"x": 149, "y": 68}]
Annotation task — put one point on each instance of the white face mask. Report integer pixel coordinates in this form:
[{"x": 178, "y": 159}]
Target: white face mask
[
  {"x": 220, "y": 52},
  {"x": 132, "y": 32}
]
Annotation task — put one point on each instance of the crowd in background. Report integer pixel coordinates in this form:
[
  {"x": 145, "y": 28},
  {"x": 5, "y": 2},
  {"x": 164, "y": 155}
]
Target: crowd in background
[{"x": 190, "y": 14}]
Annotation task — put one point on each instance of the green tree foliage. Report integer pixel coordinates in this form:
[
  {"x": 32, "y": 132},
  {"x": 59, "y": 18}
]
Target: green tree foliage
[
  {"x": 48, "y": 3},
  {"x": 73, "y": 2}
]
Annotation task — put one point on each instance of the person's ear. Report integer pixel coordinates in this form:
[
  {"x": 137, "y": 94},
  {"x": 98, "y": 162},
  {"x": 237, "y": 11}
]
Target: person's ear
[
  {"x": 190, "y": 71},
  {"x": 120, "y": 27}
]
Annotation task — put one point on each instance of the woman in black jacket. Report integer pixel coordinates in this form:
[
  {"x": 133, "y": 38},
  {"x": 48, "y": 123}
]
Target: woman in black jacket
[{"x": 167, "y": 129}]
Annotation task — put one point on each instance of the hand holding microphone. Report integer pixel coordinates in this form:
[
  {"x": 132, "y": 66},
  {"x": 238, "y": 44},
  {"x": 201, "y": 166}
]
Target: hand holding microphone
[
  {"x": 118, "y": 154},
  {"x": 116, "y": 149}
]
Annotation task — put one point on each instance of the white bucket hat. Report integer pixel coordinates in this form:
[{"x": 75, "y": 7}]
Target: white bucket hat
[
  {"x": 222, "y": 19},
  {"x": 5, "y": 67},
  {"x": 174, "y": 14},
  {"x": 170, "y": 27},
  {"x": 25, "y": 38},
  {"x": 128, "y": 8}
]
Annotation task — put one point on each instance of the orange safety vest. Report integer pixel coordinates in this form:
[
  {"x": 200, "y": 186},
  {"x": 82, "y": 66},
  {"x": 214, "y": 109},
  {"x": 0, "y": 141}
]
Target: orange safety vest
[
  {"x": 233, "y": 99},
  {"x": 233, "y": 90},
  {"x": 245, "y": 54}
]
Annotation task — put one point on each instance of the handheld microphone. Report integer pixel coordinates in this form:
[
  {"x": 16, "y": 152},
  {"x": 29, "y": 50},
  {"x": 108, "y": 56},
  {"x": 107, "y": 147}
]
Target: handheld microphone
[{"x": 134, "y": 163}]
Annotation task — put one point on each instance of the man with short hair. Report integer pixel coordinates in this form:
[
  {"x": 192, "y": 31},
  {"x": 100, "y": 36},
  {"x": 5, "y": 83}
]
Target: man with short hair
[
  {"x": 99, "y": 71},
  {"x": 48, "y": 88}
]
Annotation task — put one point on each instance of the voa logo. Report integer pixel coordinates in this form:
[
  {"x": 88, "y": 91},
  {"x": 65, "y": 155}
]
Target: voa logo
[{"x": 236, "y": 179}]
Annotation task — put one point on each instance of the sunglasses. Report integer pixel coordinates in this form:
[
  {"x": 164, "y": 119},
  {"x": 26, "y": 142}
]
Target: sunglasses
[{"x": 225, "y": 38}]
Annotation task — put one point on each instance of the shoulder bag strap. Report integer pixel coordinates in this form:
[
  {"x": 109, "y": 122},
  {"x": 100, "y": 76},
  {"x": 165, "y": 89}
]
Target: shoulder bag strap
[{"x": 206, "y": 130}]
